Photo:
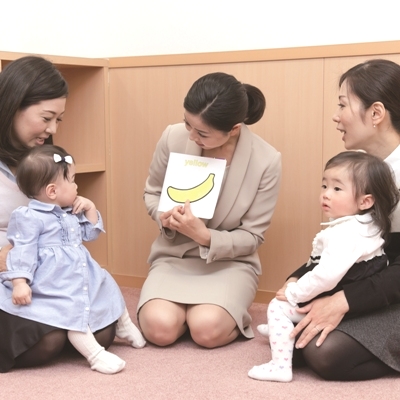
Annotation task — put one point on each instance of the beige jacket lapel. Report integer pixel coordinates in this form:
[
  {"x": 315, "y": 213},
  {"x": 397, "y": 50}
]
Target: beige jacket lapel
[{"x": 236, "y": 174}]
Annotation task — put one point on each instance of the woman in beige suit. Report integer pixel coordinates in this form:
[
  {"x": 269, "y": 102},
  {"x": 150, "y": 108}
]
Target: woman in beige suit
[{"x": 204, "y": 273}]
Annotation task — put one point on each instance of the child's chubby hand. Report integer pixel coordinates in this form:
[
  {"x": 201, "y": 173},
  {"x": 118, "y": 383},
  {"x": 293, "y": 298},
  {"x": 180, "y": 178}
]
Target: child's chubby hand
[
  {"x": 280, "y": 294},
  {"x": 82, "y": 204},
  {"x": 22, "y": 293}
]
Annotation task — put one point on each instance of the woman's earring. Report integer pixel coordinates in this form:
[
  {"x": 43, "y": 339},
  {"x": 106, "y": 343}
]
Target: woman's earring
[{"x": 374, "y": 126}]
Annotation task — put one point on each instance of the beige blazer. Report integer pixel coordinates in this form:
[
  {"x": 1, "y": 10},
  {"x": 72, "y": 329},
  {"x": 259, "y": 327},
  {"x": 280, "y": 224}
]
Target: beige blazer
[{"x": 244, "y": 208}]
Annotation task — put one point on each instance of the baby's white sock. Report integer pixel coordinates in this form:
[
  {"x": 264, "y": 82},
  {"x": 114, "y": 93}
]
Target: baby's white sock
[
  {"x": 106, "y": 362},
  {"x": 263, "y": 329},
  {"x": 271, "y": 372},
  {"x": 127, "y": 330},
  {"x": 278, "y": 330},
  {"x": 99, "y": 359}
]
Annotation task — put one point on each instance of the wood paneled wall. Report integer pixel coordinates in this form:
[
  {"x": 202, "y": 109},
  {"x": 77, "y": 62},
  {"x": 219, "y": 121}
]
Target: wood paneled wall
[{"x": 146, "y": 94}]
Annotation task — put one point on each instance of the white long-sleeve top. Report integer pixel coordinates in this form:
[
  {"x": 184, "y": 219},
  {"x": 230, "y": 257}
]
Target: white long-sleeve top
[
  {"x": 344, "y": 242},
  {"x": 394, "y": 161},
  {"x": 10, "y": 198}
]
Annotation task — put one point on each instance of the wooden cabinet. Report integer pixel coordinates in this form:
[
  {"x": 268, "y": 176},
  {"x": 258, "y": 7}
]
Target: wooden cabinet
[{"x": 84, "y": 133}]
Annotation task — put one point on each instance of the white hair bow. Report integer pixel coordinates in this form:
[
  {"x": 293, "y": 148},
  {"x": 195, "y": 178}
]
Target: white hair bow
[{"x": 57, "y": 158}]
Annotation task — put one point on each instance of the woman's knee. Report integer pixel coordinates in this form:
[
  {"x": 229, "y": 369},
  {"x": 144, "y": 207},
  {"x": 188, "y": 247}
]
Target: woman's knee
[
  {"x": 342, "y": 358},
  {"x": 208, "y": 336},
  {"x": 322, "y": 360},
  {"x": 53, "y": 343},
  {"x": 211, "y": 327},
  {"x": 106, "y": 336},
  {"x": 336, "y": 358},
  {"x": 48, "y": 347},
  {"x": 162, "y": 324}
]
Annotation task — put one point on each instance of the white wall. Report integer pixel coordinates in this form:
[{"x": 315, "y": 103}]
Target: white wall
[{"x": 113, "y": 28}]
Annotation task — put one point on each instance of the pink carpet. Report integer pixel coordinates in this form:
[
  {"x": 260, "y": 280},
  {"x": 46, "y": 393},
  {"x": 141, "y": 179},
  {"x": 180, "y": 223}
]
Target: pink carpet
[{"x": 183, "y": 371}]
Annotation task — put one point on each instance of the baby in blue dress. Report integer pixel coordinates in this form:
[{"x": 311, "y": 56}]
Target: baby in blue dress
[{"x": 51, "y": 277}]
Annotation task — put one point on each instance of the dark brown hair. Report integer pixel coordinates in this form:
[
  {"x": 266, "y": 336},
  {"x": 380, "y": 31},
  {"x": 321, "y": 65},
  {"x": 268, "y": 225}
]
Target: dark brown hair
[
  {"x": 222, "y": 101},
  {"x": 24, "y": 82},
  {"x": 371, "y": 175},
  {"x": 376, "y": 80},
  {"x": 37, "y": 168}
]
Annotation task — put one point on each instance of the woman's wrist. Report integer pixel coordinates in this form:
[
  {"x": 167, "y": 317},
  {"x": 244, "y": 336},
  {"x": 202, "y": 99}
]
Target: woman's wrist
[
  {"x": 339, "y": 298},
  {"x": 205, "y": 241}
]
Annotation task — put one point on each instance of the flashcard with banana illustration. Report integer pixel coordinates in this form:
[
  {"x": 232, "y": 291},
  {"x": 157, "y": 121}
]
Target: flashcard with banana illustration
[{"x": 194, "y": 178}]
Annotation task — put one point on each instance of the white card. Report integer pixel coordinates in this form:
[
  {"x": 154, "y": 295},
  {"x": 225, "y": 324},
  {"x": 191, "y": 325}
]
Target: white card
[{"x": 193, "y": 178}]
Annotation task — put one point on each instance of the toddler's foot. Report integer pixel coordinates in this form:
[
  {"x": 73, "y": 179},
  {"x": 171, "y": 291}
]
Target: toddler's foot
[
  {"x": 127, "y": 330},
  {"x": 263, "y": 329},
  {"x": 106, "y": 363},
  {"x": 271, "y": 372}
]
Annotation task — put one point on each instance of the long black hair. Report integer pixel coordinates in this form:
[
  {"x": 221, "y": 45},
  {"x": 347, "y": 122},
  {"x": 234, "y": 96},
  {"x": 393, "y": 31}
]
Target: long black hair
[{"x": 24, "y": 82}]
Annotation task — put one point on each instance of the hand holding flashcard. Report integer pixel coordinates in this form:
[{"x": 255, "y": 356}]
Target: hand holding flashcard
[{"x": 194, "y": 178}]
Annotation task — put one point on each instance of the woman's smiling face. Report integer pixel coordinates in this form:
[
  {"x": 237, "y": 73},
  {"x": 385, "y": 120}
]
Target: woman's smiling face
[{"x": 34, "y": 124}]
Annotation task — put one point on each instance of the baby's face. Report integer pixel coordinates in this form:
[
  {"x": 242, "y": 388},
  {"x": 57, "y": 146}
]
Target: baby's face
[
  {"x": 67, "y": 189},
  {"x": 337, "y": 193}
]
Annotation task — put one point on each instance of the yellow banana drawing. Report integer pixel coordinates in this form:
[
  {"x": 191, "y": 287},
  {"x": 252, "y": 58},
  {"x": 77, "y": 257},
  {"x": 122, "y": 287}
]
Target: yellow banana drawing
[{"x": 192, "y": 194}]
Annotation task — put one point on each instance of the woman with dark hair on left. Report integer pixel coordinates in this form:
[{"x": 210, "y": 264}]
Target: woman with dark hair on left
[{"x": 33, "y": 95}]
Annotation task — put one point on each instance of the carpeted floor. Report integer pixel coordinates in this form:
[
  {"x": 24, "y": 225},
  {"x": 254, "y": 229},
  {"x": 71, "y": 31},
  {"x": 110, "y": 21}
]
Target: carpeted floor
[{"x": 183, "y": 371}]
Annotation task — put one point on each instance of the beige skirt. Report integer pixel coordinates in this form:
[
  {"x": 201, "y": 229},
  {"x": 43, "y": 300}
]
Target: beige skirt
[{"x": 228, "y": 284}]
